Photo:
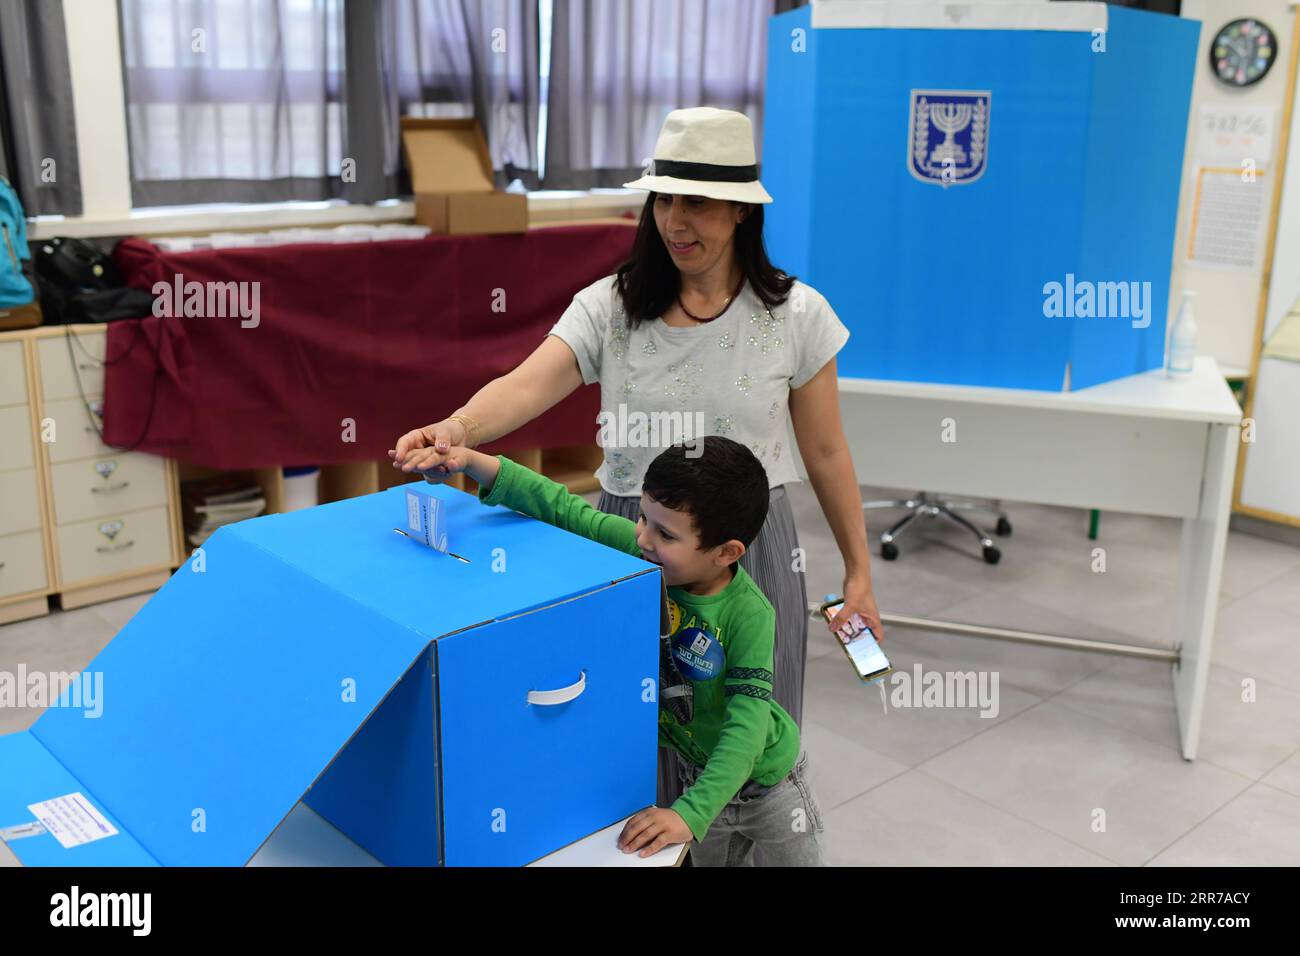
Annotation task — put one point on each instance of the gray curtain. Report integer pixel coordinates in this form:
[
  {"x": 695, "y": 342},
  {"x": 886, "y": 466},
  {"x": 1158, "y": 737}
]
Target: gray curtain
[
  {"x": 470, "y": 58},
  {"x": 618, "y": 67},
  {"x": 37, "y": 127},
  {"x": 234, "y": 102},
  {"x": 300, "y": 99},
  {"x": 370, "y": 104}
]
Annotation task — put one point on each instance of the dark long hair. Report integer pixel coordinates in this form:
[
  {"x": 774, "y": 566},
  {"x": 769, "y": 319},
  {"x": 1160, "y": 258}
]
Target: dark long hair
[{"x": 649, "y": 282}]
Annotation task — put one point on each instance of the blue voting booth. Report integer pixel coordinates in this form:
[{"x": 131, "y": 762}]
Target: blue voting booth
[
  {"x": 941, "y": 170},
  {"x": 477, "y": 712}
]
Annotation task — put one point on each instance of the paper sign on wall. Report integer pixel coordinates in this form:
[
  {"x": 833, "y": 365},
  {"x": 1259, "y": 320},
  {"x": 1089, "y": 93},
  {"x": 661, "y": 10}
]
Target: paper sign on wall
[
  {"x": 1230, "y": 135},
  {"x": 1229, "y": 212}
]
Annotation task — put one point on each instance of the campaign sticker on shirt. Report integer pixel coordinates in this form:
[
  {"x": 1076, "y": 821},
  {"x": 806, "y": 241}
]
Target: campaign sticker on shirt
[{"x": 699, "y": 657}]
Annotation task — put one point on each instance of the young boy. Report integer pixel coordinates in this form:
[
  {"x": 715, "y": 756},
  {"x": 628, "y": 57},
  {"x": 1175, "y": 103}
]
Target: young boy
[{"x": 744, "y": 782}]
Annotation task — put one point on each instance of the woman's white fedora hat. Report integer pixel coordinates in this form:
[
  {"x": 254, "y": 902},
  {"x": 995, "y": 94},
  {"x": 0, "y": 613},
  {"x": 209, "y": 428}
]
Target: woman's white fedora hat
[{"x": 703, "y": 151}]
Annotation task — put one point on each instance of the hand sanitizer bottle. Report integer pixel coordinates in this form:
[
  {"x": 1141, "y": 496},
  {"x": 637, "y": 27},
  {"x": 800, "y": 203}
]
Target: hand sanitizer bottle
[{"x": 1181, "y": 356}]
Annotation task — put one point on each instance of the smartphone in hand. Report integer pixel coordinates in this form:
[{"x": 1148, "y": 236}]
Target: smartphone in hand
[{"x": 859, "y": 643}]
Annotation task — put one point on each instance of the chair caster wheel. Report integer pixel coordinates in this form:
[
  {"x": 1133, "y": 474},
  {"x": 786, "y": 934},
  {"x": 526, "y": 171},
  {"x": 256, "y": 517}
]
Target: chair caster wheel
[
  {"x": 888, "y": 550},
  {"x": 1003, "y": 529},
  {"x": 992, "y": 555}
]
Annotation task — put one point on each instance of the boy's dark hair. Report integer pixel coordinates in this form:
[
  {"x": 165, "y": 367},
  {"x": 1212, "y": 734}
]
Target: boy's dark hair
[{"x": 721, "y": 485}]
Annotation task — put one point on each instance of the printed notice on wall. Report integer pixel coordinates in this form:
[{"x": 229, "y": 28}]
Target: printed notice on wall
[
  {"x": 1229, "y": 214},
  {"x": 72, "y": 820}
]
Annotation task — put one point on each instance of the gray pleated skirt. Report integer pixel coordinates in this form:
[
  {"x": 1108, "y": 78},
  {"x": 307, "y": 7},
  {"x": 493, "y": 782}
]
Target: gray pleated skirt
[{"x": 771, "y": 562}]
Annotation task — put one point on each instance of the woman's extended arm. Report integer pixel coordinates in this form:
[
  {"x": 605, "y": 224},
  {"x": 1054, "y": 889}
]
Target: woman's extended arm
[
  {"x": 815, "y": 414},
  {"x": 548, "y": 375}
]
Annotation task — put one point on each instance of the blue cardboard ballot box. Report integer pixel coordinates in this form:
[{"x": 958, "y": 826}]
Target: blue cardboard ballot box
[
  {"x": 438, "y": 711},
  {"x": 986, "y": 193}
]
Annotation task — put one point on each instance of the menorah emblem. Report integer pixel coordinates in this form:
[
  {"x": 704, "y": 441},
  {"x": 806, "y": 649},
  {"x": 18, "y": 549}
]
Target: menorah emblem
[
  {"x": 948, "y": 135},
  {"x": 950, "y": 118}
]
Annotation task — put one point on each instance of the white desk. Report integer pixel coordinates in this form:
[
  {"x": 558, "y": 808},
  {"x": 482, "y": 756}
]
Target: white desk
[
  {"x": 305, "y": 838},
  {"x": 1143, "y": 444}
]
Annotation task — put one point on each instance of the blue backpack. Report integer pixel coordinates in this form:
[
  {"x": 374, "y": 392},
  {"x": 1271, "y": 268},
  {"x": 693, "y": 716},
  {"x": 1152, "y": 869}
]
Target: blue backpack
[{"x": 15, "y": 290}]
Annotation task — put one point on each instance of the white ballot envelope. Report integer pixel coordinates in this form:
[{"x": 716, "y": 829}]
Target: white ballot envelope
[{"x": 426, "y": 519}]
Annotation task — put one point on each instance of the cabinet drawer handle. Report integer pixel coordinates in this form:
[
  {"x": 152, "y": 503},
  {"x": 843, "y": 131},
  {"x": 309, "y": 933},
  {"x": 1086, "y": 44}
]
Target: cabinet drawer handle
[
  {"x": 549, "y": 698},
  {"x": 110, "y": 549},
  {"x": 104, "y": 489}
]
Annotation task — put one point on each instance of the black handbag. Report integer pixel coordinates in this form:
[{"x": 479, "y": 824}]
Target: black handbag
[{"x": 79, "y": 282}]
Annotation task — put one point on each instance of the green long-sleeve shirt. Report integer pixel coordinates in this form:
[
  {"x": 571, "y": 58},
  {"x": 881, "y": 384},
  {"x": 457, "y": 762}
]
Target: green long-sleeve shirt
[{"x": 737, "y": 732}]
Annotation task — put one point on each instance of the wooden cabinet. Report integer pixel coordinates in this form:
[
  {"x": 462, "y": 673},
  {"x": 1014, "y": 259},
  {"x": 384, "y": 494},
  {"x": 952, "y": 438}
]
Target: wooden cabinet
[
  {"x": 117, "y": 545},
  {"x": 110, "y": 513},
  {"x": 26, "y": 573}
]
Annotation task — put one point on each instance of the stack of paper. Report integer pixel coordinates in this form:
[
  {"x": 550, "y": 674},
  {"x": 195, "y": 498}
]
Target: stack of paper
[{"x": 209, "y": 503}]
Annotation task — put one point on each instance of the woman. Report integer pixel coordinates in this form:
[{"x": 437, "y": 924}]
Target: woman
[{"x": 698, "y": 322}]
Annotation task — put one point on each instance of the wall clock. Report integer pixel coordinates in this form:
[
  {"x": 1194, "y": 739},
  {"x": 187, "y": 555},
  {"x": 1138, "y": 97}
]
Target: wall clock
[{"x": 1243, "y": 52}]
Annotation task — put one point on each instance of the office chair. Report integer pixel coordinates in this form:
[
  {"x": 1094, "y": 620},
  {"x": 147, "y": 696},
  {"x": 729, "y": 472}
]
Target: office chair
[{"x": 927, "y": 505}]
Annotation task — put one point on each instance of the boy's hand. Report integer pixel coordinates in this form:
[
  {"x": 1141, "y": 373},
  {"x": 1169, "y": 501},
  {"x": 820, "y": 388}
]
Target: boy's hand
[
  {"x": 439, "y": 436},
  {"x": 654, "y": 829},
  {"x": 436, "y": 466}
]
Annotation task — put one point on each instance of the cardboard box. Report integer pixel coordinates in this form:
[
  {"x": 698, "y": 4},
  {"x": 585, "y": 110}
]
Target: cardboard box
[
  {"x": 451, "y": 173},
  {"x": 1003, "y": 158},
  {"x": 437, "y": 711}
]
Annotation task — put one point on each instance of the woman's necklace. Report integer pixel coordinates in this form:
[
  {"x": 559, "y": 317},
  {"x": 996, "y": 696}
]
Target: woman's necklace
[{"x": 725, "y": 305}]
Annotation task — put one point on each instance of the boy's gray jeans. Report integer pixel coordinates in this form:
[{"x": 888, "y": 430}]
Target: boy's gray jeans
[{"x": 780, "y": 825}]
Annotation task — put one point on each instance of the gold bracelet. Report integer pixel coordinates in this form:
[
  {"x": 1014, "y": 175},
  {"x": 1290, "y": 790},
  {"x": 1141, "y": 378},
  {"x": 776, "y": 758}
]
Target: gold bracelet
[{"x": 470, "y": 426}]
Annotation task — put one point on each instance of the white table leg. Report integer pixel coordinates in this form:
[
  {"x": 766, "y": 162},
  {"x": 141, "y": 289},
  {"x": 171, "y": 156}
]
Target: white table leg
[{"x": 1204, "y": 540}]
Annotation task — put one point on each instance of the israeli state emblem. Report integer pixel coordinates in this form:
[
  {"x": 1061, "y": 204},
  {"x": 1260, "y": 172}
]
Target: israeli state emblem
[{"x": 948, "y": 136}]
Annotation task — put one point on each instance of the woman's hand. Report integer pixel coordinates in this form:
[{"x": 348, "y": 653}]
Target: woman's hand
[
  {"x": 858, "y": 599},
  {"x": 815, "y": 414},
  {"x": 416, "y": 449},
  {"x": 478, "y": 466}
]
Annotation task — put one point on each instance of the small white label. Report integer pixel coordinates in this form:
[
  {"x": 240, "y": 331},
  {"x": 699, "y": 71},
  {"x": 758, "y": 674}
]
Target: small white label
[{"x": 72, "y": 820}]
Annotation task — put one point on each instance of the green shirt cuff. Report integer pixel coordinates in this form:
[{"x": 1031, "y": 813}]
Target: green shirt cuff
[
  {"x": 698, "y": 823},
  {"x": 501, "y": 487}
]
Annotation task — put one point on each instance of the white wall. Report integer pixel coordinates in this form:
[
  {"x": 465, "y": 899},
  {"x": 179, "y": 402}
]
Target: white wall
[
  {"x": 1227, "y": 302},
  {"x": 95, "y": 59}
]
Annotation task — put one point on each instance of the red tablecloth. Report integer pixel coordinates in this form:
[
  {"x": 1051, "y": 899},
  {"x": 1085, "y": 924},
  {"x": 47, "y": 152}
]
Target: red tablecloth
[{"x": 387, "y": 336}]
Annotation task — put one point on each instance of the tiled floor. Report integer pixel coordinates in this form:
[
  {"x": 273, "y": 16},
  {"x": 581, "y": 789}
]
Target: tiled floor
[{"x": 1080, "y": 764}]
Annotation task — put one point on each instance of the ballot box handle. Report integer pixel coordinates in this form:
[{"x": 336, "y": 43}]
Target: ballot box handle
[{"x": 549, "y": 698}]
